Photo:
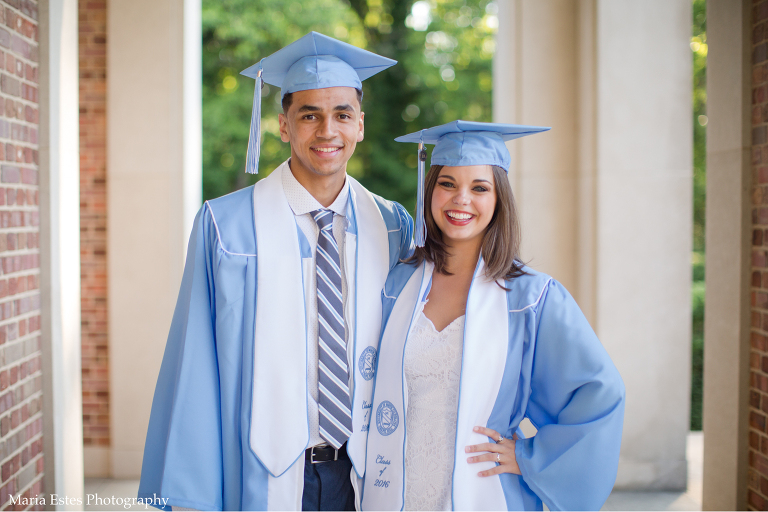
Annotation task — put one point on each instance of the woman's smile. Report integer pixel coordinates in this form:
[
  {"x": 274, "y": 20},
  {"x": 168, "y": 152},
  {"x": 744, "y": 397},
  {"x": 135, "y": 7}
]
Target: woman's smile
[{"x": 459, "y": 218}]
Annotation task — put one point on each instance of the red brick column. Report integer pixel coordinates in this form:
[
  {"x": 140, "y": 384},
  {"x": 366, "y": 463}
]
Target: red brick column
[
  {"x": 757, "y": 493},
  {"x": 93, "y": 220},
  {"x": 21, "y": 458}
]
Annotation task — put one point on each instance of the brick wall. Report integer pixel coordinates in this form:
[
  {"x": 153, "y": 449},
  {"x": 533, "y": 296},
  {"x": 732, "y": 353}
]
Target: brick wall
[
  {"x": 93, "y": 220},
  {"x": 757, "y": 492},
  {"x": 21, "y": 458}
]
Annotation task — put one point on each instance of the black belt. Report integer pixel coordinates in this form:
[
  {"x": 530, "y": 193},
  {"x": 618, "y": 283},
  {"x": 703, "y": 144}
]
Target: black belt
[{"x": 325, "y": 454}]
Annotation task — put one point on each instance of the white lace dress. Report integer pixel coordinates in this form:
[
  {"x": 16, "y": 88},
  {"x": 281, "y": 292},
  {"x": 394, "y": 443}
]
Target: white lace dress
[{"x": 432, "y": 370}]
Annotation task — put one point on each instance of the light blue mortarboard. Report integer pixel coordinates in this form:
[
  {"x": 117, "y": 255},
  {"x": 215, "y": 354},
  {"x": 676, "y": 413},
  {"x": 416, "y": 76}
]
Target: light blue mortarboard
[
  {"x": 315, "y": 61},
  {"x": 461, "y": 143}
]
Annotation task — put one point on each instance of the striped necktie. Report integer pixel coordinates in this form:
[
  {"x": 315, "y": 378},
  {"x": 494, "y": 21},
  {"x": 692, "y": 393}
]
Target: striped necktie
[{"x": 333, "y": 375}]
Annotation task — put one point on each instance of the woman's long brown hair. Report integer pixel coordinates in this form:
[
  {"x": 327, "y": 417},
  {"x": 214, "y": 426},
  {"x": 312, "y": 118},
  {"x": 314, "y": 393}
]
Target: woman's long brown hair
[{"x": 500, "y": 247}]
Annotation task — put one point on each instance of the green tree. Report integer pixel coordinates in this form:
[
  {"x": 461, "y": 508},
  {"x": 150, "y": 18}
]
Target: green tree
[{"x": 699, "y": 49}]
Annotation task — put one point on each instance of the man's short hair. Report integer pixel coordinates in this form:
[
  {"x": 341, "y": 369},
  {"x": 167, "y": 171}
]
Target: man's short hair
[{"x": 288, "y": 100}]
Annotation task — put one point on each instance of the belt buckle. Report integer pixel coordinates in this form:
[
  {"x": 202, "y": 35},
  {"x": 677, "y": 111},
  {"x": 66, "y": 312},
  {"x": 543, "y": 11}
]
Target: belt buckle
[{"x": 312, "y": 454}]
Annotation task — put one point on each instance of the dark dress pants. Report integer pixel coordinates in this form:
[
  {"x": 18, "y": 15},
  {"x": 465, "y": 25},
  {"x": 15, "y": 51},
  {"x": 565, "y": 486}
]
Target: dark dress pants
[{"x": 327, "y": 486}]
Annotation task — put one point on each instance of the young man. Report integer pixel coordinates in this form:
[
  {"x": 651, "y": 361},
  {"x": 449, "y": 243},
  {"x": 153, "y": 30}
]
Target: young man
[{"x": 263, "y": 398}]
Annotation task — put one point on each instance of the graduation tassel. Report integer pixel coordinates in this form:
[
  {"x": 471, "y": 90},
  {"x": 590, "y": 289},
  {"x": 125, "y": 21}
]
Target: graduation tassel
[
  {"x": 254, "y": 138},
  {"x": 421, "y": 225}
]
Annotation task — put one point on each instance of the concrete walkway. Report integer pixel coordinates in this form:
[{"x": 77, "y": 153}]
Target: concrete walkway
[
  {"x": 688, "y": 500},
  {"x": 109, "y": 494}
]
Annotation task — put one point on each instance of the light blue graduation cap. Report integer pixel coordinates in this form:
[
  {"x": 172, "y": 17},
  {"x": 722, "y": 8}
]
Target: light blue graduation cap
[
  {"x": 461, "y": 143},
  {"x": 315, "y": 61}
]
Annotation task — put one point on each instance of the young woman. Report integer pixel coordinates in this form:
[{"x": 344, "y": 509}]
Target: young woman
[{"x": 474, "y": 342}]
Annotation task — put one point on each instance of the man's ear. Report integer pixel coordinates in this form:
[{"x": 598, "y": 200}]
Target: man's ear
[
  {"x": 361, "y": 133},
  {"x": 284, "y": 136}
]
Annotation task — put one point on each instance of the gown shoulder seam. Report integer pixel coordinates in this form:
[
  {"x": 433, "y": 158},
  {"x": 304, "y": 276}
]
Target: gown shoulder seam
[
  {"x": 218, "y": 233},
  {"x": 534, "y": 303}
]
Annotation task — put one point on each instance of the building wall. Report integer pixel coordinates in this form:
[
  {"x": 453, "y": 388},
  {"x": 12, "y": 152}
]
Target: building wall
[
  {"x": 729, "y": 255},
  {"x": 93, "y": 228},
  {"x": 757, "y": 481},
  {"x": 21, "y": 421}
]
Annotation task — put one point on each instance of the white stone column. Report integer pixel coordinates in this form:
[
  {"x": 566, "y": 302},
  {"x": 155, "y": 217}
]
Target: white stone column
[
  {"x": 60, "y": 251},
  {"x": 605, "y": 198},
  {"x": 644, "y": 227},
  {"x": 535, "y": 83},
  {"x": 154, "y": 189}
]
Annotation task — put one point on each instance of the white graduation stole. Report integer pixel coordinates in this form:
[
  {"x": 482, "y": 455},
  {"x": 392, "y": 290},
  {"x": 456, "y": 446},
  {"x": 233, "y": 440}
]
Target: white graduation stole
[
  {"x": 370, "y": 275},
  {"x": 486, "y": 339},
  {"x": 279, "y": 431},
  {"x": 279, "y": 423}
]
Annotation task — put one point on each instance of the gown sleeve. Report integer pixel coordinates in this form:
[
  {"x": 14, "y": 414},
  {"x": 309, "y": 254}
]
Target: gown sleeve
[
  {"x": 183, "y": 455},
  {"x": 577, "y": 405}
]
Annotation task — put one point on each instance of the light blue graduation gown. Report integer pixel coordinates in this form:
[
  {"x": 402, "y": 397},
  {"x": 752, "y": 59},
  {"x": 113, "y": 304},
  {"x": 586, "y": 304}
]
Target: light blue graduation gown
[
  {"x": 528, "y": 353},
  {"x": 229, "y": 425}
]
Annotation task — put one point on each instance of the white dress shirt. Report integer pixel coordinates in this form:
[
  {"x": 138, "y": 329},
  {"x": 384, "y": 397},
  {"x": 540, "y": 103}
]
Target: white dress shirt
[{"x": 303, "y": 203}]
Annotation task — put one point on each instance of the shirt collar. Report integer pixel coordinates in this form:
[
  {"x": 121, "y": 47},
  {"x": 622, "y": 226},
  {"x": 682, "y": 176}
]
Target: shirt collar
[{"x": 302, "y": 202}]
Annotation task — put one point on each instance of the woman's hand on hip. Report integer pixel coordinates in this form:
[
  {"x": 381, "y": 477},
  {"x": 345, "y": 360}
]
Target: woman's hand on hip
[{"x": 502, "y": 452}]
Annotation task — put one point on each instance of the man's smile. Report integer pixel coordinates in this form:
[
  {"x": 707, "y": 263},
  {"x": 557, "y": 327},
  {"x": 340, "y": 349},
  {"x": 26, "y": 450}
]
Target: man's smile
[{"x": 327, "y": 150}]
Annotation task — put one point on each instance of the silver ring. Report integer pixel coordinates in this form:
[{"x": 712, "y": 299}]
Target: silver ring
[
  {"x": 498, "y": 458},
  {"x": 500, "y": 439}
]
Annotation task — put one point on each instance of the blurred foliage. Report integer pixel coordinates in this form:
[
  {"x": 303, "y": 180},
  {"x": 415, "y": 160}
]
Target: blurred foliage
[
  {"x": 699, "y": 50},
  {"x": 697, "y": 341},
  {"x": 444, "y": 48}
]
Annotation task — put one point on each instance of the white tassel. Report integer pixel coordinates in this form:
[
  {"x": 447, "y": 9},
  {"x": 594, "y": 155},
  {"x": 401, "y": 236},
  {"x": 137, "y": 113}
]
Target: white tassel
[
  {"x": 421, "y": 225},
  {"x": 254, "y": 137}
]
